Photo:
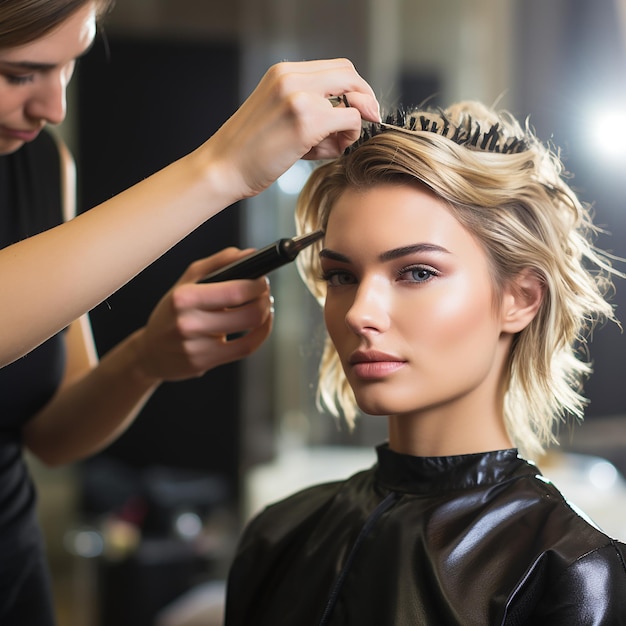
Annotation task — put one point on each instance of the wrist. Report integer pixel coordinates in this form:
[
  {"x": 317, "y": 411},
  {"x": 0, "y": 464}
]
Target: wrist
[
  {"x": 139, "y": 362},
  {"x": 221, "y": 184},
  {"x": 228, "y": 169}
]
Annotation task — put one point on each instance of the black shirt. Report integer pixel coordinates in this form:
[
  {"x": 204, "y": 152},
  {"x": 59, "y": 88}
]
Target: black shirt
[{"x": 30, "y": 202}]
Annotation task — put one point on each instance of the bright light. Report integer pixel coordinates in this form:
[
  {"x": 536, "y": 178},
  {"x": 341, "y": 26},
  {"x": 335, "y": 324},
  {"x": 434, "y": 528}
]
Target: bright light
[
  {"x": 608, "y": 134},
  {"x": 603, "y": 475},
  {"x": 188, "y": 525},
  {"x": 292, "y": 181},
  {"x": 86, "y": 543}
]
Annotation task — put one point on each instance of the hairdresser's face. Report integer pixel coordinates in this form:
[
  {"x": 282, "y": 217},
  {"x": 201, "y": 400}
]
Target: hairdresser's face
[
  {"x": 34, "y": 77},
  {"x": 409, "y": 304}
]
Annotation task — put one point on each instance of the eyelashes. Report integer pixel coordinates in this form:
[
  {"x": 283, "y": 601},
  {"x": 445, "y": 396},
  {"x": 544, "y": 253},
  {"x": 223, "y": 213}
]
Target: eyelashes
[
  {"x": 417, "y": 274},
  {"x": 333, "y": 278},
  {"x": 20, "y": 80}
]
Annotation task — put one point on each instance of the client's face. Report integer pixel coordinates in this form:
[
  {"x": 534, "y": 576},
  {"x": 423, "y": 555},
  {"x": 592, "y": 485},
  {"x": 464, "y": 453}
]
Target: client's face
[{"x": 409, "y": 304}]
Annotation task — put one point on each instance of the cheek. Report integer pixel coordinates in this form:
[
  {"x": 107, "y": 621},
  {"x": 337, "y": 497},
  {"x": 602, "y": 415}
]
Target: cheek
[
  {"x": 460, "y": 314},
  {"x": 9, "y": 102},
  {"x": 334, "y": 319},
  {"x": 329, "y": 317},
  {"x": 465, "y": 309}
]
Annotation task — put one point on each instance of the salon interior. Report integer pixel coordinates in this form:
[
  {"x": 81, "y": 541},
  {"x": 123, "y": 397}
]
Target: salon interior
[{"x": 143, "y": 533}]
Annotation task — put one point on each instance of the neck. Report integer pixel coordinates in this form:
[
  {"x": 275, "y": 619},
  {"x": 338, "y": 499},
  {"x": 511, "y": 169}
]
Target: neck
[
  {"x": 469, "y": 425},
  {"x": 418, "y": 436}
]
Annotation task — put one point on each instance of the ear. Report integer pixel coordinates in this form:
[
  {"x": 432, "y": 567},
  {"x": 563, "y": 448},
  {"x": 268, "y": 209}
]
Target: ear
[{"x": 521, "y": 301}]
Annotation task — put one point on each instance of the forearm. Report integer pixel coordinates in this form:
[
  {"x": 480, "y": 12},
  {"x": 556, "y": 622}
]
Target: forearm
[
  {"x": 89, "y": 414},
  {"x": 71, "y": 268}
]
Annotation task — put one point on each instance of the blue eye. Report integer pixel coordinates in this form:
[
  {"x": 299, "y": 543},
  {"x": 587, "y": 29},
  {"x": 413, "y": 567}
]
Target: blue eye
[{"x": 417, "y": 274}]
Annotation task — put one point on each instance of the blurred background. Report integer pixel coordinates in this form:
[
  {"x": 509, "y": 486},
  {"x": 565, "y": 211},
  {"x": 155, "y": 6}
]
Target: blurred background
[{"x": 143, "y": 533}]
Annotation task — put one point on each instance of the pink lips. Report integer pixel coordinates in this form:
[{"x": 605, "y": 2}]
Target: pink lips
[
  {"x": 373, "y": 365},
  {"x": 22, "y": 135}
]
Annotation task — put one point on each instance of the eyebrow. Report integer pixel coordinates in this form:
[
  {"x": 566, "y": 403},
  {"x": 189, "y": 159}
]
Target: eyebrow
[
  {"x": 389, "y": 255},
  {"x": 28, "y": 66},
  {"x": 36, "y": 66}
]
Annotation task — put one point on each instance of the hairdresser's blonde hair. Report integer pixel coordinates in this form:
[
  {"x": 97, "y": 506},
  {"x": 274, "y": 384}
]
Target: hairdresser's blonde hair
[{"x": 518, "y": 206}]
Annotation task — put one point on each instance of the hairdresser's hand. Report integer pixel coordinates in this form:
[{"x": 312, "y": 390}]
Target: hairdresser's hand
[
  {"x": 288, "y": 117},
  {"x": 186, "y": 333}
]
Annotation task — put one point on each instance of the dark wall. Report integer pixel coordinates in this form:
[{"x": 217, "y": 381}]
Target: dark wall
[
  {"x": 142, "y": 104},
  {"x": 572, "y": 64}
]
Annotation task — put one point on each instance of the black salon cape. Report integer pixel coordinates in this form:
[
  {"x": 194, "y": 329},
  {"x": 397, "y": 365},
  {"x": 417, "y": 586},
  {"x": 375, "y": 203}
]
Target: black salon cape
[{"x": 479, "y": 539}]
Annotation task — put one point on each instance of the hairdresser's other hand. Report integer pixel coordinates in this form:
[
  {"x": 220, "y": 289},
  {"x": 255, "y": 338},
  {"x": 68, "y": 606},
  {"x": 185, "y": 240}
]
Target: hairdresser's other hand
[
  {"x": 288, "y": 117},
  {"x": 186, "y": 333}
]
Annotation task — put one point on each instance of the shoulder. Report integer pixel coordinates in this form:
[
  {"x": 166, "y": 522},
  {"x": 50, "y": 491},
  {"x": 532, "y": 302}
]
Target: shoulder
[
  {"x": 612, "y": 557},
  {"x": 576, "y": 569},
  {"x": 554, "y": 513},
  {"x": 561, "y": 591},
  {"x": 302, "y": 507},
  {"x": 596, "y": 569},
  {"x": 592, "y": 585},
  {"x": 301, "y": 511}
]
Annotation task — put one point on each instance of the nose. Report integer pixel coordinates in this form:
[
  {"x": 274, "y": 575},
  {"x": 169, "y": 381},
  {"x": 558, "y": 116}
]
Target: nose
[
  {"x": 49, "y": 103},
  {"x": 370, "y": 310}
]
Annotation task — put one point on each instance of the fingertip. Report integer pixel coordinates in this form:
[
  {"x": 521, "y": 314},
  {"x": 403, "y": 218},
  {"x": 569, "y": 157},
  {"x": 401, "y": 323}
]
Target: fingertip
[
  {"x": 367, "y": 106},
  {"x": 373, "y": 112}
]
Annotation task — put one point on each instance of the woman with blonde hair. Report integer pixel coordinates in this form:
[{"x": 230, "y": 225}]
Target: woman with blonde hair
[{"x": 459, "y": 281}]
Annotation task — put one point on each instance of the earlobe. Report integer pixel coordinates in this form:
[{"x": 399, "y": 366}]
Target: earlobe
[{"x": 522, "y": 299}]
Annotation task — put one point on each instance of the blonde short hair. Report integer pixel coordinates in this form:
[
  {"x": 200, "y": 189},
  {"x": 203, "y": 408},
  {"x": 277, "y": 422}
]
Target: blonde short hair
[{"x": 517, "y": 204}]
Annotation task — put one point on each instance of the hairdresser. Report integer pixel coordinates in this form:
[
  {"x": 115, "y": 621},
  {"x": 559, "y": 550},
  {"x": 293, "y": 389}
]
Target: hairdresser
[
  {"x": 287, "y": 116},
  {"x": 58, "y": 401}
]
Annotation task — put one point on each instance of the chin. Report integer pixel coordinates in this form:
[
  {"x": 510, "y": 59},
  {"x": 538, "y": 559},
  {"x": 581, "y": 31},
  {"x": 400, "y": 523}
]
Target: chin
[
  {"x": 374, "y": 408},
  {"x": 9, "y": 147}
]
